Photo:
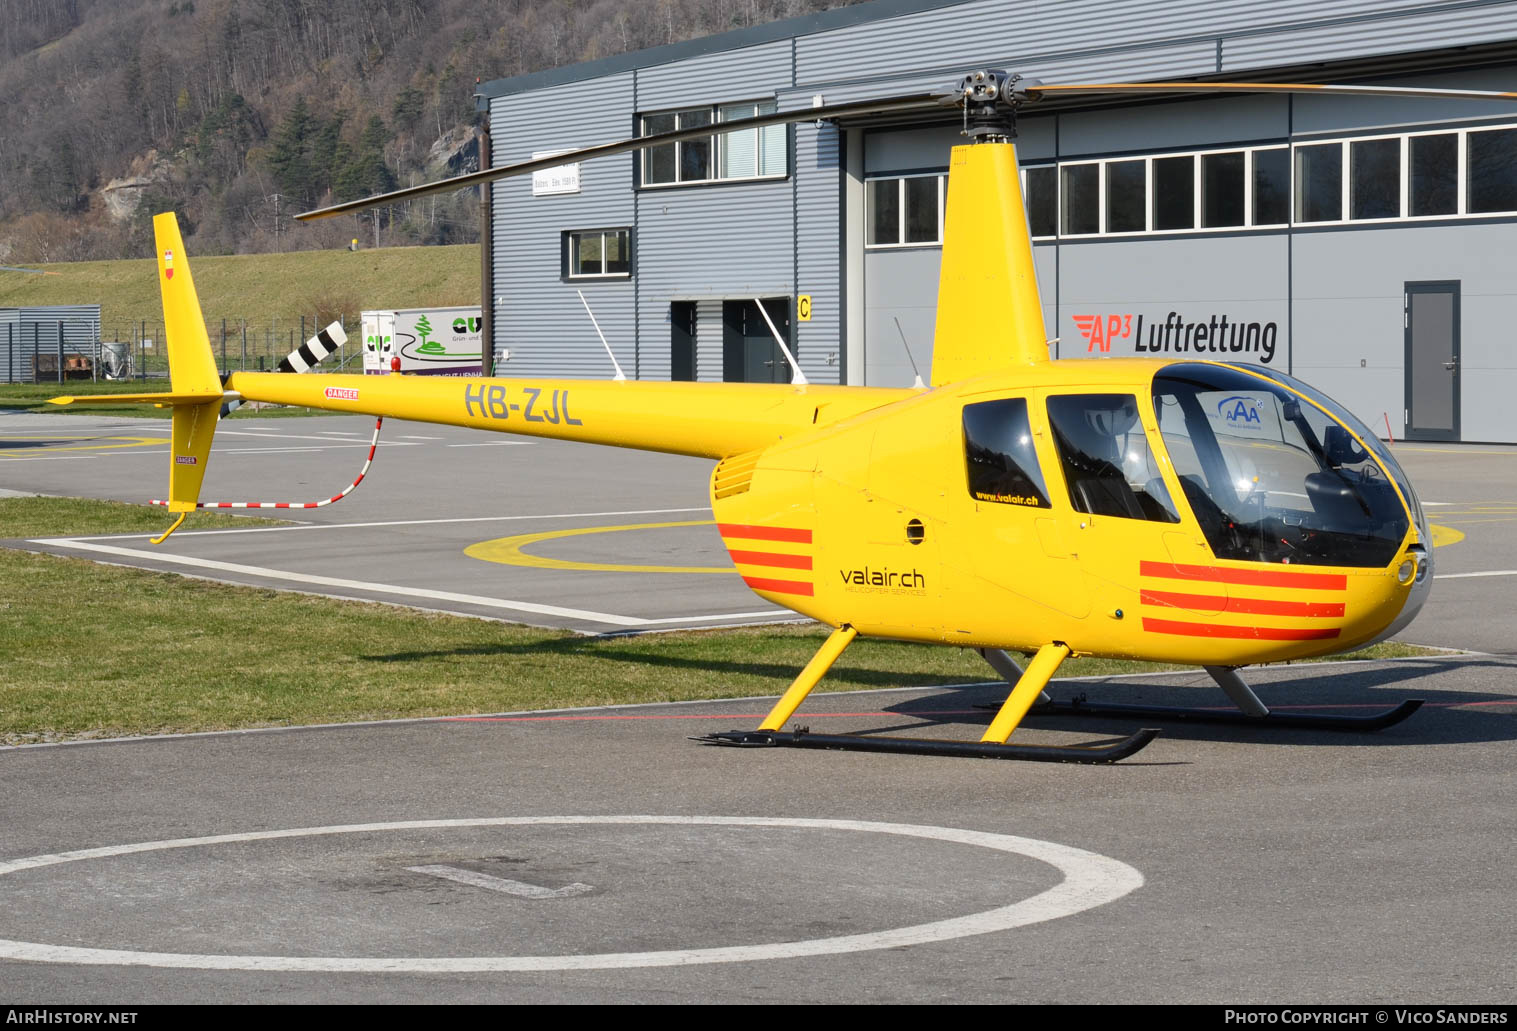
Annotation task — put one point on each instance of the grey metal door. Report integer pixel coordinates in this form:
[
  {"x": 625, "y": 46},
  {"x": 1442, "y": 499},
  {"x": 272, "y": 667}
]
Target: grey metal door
[
  {"x": 749, "y": 353},
  {"x": 1432, "y": 360}
]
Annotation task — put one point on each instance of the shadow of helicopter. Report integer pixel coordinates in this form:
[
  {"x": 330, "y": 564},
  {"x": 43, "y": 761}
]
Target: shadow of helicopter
[
  {"x": 1447, "y": 716},
  {"x": 1315, "y": 687}
]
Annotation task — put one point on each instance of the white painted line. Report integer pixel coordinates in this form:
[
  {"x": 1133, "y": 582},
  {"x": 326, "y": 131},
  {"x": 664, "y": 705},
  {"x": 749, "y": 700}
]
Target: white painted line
[
  {"x": 48, "y": 458},
  {"x": 495, "y": 443},
  {"x": 352, "y": 585},
  {"x": 501, "y": 884},
  {"x": 1463, "y": 576},
  {"x": 1090, "y": 880},
  {"x": 331, "y": 446},
  {"x": 725, "y": 615},
  {"x": 185, "y": 535},
  {"x": 276, "y": 435},
  {"x": 412, "y": 436}
]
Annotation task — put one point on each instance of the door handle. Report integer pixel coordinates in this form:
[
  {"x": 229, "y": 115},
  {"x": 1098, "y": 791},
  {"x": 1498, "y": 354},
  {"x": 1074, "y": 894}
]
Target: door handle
[{"x": 1451, "y": 365}]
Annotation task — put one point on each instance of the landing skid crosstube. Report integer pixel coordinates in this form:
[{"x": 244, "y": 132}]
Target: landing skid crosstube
[
  {"x": 1297, "y": 720},
  {"x": 1026, "y": 689},
  {"x": 1251, "y": 711}
]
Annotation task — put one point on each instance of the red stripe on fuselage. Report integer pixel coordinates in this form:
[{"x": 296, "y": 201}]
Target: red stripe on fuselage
[
  {"x": 779, "y": 586},
  {"x": 1249, "y": 577},
  {"x": 1258, "y": 606},
  {"x": 770, "y": 558},
  {"x": 1256, "y": 633},
  {"x": 764, "y": 533}
]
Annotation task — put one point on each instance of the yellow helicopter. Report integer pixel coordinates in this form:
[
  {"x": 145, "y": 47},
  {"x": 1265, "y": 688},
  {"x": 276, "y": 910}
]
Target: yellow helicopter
[{"x": 1197, "y": 512}]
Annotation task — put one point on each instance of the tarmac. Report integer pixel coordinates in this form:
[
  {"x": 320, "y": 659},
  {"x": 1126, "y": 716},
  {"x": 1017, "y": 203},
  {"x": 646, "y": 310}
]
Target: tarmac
[{"x": 600, "y": 856}]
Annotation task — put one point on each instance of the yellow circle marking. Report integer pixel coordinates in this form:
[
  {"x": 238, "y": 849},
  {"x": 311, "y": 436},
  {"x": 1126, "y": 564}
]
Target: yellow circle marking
[
  {"x": 124, "y": 442},
  {"x": 1444, "y": 535},
  {"x": 508, "y": 550}
]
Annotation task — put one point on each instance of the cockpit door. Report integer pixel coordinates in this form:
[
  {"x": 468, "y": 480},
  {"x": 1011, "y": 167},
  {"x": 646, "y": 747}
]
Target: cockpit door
[{"x": 1014, "y": 573}]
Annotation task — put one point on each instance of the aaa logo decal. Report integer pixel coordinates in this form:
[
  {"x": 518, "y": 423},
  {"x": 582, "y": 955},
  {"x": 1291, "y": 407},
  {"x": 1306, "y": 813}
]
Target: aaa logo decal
[{"x": 1239, "y": 409}]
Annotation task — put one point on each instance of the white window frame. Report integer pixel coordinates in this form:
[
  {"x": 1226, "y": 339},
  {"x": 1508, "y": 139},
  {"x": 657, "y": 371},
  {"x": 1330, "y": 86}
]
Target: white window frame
[
  {"x": 900, "y": 180},
  {"x": 571, "y": 236},
  {"x": 1462, "y": 212},
  {"x": 717, "y": 172}
]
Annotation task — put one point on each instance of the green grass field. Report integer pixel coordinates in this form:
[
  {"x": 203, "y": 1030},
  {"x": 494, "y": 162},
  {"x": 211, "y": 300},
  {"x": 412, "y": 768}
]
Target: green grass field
[
  {"x": 89, "y": 650},
  {"x": 257, "y": 287}
]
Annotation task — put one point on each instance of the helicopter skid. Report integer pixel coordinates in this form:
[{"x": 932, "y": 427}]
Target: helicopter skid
[
  {"x": 802, "y": 738},
  {"x": 1305, "y": 721}
]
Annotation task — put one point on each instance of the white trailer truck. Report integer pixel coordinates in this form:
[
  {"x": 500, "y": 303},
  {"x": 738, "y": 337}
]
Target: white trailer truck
[{"x": 428, "y": 341}]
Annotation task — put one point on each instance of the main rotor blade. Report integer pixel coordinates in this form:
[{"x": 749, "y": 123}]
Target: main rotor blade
[
  {"x": 1030, "y": 91},
  {"x": 888, "y": 105},
  {"x": 1038, "y": 91}
]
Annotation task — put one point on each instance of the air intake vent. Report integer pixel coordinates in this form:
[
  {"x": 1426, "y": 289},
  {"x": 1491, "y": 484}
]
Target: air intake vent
[{"x": 733, "y": 475}]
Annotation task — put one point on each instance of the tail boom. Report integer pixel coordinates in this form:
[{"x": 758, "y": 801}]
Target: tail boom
[{"x": 710, "y": 420}]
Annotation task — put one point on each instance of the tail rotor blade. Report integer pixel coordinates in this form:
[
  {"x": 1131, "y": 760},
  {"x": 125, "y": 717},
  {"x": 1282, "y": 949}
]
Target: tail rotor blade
[{"x": 304, "y": 358}]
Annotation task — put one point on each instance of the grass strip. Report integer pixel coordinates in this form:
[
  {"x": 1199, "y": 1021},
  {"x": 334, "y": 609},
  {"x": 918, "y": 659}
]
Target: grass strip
[{"x": 89, "y": 650}]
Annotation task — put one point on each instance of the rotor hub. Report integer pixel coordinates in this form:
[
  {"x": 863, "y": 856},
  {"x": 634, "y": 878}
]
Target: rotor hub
[{"x": 990, "y": 98}]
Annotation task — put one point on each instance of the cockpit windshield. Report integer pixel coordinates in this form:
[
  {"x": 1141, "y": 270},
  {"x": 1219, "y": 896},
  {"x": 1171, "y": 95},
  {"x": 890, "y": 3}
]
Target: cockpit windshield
[{"x": 1272, "y": 478}]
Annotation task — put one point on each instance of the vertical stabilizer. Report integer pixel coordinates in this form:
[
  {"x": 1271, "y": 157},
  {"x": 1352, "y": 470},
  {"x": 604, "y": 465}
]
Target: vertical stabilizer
[
  {"x": 192, "y": 370},
  {"x": 192, "y": 365},
  {"x": 989, "y": 313}
]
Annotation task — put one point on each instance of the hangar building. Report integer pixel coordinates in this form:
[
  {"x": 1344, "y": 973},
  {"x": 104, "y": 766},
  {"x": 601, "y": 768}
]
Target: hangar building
[{"x": 1367, "y": 245}]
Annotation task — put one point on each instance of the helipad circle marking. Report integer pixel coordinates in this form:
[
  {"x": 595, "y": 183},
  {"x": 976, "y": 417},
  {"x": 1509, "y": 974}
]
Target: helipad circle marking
[
  {"x": 1443, "y": 536},
  {"x": 44, "y": 443},
  {"x": 1090, "y": 880},
  {"x": 508, "y": 551}
]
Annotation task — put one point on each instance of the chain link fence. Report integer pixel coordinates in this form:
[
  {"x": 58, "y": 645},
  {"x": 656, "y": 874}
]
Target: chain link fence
[{"x": 69, "y": 349}]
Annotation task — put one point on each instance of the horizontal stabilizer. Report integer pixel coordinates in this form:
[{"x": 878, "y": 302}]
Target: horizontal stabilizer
[{"x": 161, "y": 400}]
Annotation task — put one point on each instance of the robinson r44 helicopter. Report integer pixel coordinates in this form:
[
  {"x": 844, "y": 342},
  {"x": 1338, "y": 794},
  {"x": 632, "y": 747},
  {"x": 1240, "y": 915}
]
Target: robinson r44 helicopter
[{"x": 1017, "y": 504}]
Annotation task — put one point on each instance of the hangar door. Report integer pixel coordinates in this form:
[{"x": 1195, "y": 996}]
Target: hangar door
[
  {"x": 749, "y": 353},
  {"x": 1432, "y": 360}
]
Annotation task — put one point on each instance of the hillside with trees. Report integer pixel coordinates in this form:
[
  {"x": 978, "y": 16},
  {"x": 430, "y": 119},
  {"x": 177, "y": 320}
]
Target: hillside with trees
[{"x": 239, "y": 113}]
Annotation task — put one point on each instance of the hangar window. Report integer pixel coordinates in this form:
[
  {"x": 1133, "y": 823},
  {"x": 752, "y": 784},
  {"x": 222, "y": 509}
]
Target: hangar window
[
  {"x": 1222, "y": 203},
  {"x": 1319, "y": 183},
  {"x": 1442, "y": 173},
  {"x": 1041, "y": 190},
  {"x": 1374, "y": 188},
  {"x": 1126, "y": 196},
  {"x": 1272, "y": 186},
  {"x": 745, "y": 154},
  {"x": 1493, "y": 170},
  {"x": 1433, "y": 175},
  {"x": 905, "y": 211},
  {"x": 1175, "y": 192},
  {"x": 1080, "y": 199},
  {"x": 750, "y": 153},
  {"x": 597, "y": 254}
]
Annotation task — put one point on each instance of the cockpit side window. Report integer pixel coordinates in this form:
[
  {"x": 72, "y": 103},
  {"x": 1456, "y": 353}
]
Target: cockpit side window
[
  {"x": 998, "y": 451},
  {"x": 1108, "y": 465}
]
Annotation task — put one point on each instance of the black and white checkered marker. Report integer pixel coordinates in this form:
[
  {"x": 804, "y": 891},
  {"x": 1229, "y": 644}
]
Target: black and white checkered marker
[{"x": 304, "y": 358}]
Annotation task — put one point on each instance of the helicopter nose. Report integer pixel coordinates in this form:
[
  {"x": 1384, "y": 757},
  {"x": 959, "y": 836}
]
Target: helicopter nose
[{"x": 1417, "y": 568}]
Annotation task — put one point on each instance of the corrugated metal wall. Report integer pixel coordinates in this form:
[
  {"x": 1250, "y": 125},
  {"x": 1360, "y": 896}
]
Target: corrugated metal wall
[
  {"x": 26, "y": 332},
  {"x": 783, "y": 237},
  {"x": 538, "y": 317},
  {"x": 1097, "y": 39}
]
